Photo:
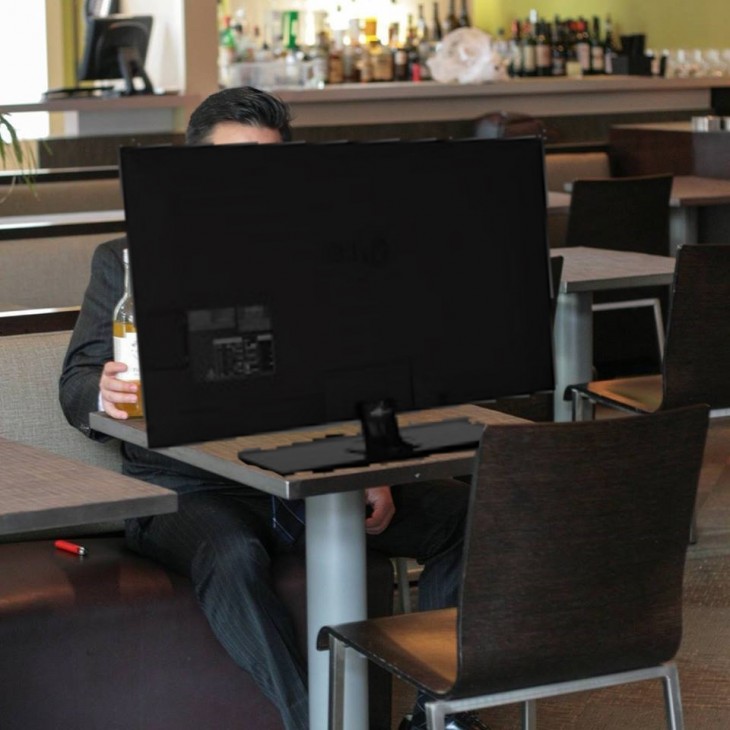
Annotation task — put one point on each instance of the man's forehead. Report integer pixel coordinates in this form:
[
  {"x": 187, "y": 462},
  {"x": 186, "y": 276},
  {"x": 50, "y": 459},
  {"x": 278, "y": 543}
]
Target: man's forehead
[{"x": 237, "y": 133}]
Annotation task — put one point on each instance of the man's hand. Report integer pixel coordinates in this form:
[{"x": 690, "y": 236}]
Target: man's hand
[
  {"x": 113, "y": 390},
  {"x": 383, "y": 509}
]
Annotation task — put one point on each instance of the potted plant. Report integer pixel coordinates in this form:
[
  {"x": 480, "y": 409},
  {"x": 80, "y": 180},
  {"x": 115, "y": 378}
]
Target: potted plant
[{"x": 10, "y": 144}]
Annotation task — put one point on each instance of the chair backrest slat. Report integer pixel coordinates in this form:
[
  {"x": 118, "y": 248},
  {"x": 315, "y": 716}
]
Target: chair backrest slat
[
  {"x": 697, "y": 353},
  {"x": 575, "y": 548},
  {"x": 621, "y": 214}
]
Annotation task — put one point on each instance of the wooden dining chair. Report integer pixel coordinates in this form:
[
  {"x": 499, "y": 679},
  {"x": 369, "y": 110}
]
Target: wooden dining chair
[
  {"x": 624, "y": 214},
  {"x": 696, "y": 360},
  {"x": 571, "y": 577},
  {"x": 697, "y": 354},
  {"x": 532, "y": 406}
]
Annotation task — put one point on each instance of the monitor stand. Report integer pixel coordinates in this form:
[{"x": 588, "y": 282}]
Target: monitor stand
[
  {"x": 79, "y": 92},
  {"x": 339, "y": 451},
  {"x": 383, "y": 441}
]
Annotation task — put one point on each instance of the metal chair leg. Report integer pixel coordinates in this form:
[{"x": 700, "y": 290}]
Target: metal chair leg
[
  {"x": 673, "y": 699},
  {"x": 337, "y": 684},
  {"x": 528, "y": 712},
  {"x": 435, "y": 716}
]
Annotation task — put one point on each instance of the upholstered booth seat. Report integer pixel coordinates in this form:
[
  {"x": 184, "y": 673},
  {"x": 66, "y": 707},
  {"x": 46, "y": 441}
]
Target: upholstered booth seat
[{"x": 113, "y": 640}]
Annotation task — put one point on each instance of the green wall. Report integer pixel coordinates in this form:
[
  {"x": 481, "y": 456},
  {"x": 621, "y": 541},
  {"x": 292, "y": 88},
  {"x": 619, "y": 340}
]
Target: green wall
[{"x": 666, "y": 23}]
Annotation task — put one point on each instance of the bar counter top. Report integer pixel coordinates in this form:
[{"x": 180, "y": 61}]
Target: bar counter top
[{"x": 423, "y": 101}]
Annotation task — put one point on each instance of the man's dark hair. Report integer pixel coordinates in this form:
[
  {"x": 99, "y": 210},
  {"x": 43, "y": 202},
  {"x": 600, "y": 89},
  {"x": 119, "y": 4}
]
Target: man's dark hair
[{"x": 244, "y": 105}]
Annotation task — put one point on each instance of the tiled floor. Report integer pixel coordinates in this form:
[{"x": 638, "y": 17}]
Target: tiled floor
[{"x": 704, "y": 656}]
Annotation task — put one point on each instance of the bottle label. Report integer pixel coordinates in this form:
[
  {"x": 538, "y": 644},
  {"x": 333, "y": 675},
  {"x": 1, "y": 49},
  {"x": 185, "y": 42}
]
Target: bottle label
[
  {"x": 583, "y": 54},
  {"x": 125, "y": 350},
  {"x": 543, "y": 56},
  {"x": 597, "y": 59},
  {"x": 529, "y": 60}
]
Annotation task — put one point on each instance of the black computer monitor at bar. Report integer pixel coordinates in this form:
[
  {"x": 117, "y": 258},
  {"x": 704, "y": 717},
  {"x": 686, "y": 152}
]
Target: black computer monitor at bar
[
  {"x": 115, "y": 47},
  {"x": 281, "y": 286}
]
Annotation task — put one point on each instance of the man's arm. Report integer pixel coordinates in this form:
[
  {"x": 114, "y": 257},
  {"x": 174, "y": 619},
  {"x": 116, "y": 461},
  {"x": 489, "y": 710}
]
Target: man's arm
[{"x": 91, "y": 343}]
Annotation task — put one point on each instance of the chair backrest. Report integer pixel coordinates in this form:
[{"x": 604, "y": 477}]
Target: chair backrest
[
  {"x": 697, "y": 352},
  {"x": 575, "y": 548},
  {"x": 508, "y": 124},
  {"x": 622, "y": 214}
]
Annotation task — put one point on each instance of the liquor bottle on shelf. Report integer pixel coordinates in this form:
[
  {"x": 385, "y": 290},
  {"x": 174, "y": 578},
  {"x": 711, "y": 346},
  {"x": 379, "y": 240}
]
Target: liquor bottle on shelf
[
  {"x": 558, "y": 51},
  {"x": 124, "y": 331},
  {"x": 437, "y": 32},
  {"x": 452, "y": 21},
  {"x": 529, "y": 50},
  {"x": 515, "y": 60},
  {"x": 381, "y": 57},
  {"x": 400, "y": 54},
  {"x": 583, "y": 46},
  {"x": 425, "y": 47},
  {"x": 464, "y": 20},
  {"x": 543, "y": 50},
  {"x": 423, "y": 32},
  {"x": 597, "y": 50},
  {"x": 609, "y": 48},
  {"x": 413, "y": 59},
  {"x": 334, "y": 59},
  {"x": 351, "y": 53}
]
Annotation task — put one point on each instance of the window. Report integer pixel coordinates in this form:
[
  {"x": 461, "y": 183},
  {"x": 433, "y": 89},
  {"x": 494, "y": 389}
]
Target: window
[{"x": 23, "y": 56}]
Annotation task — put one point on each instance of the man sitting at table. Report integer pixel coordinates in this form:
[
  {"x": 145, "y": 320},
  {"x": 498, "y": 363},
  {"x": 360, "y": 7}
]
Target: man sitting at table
[{"x": 222, "y": 536}]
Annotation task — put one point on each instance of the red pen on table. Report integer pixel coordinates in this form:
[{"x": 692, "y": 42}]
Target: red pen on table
[{"x": 70, "y": 547}]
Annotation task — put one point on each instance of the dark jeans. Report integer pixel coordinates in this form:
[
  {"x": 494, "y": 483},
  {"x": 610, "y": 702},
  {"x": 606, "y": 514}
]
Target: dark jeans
[{"x": 223, "y": 541}]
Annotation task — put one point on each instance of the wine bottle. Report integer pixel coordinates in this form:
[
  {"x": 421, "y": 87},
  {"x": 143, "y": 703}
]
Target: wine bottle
[
  {"x": 598, "y": 65},
  {"x": 436, "y": 30},
  {"x": 452, "y": 21},
  {"x": 583, "y": 46},
  {"x": 464, "y": 21},
  {"x": 124, "y": 331},
  {"x": 529, "y": 50},
  {"x": 609, "y": 51},
  {"x": 423, "y": 32},
  {"x": 559, "y": 51},
  {"x": 543, "y": 50}
]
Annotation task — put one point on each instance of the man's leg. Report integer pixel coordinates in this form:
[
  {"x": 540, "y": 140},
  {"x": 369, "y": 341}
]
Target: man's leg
[
  {"x": 428, "y": 525},
  {"x": 223, "y": 543}
]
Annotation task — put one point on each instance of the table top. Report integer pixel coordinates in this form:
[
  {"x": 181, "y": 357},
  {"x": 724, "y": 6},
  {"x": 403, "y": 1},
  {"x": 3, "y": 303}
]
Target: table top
[
  {"x": 40, "y": 490},
  {"x": 221, "y": 457},
  {"x": 690, "y": 190},
  {"x": 594, "y": 269}
]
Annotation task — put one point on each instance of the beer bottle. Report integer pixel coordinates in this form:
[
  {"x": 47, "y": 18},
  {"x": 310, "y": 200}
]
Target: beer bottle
[{"x": 124, "y": 331}]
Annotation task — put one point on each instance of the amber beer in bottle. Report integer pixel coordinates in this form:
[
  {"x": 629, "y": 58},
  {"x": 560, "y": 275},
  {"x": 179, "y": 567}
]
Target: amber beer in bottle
[{"x": 124, "y": 330}]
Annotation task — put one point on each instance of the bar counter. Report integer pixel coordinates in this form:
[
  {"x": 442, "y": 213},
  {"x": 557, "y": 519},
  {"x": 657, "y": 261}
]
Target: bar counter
[{"x": 377, "y": 103}]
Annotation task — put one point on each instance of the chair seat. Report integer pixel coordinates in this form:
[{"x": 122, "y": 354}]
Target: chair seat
[
  {"x": 419, "y": 648},
  {"x": 641, "y": 394}
]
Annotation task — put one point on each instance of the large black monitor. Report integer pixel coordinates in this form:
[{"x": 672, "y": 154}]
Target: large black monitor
[
  {"x": 279, "y": 286},
  {"x": 115, "y": 47}
]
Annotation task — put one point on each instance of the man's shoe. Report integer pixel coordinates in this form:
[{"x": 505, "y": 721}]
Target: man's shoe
[
  {"x": 461, "y": 721},
  {"x": 465, "y": 721}
]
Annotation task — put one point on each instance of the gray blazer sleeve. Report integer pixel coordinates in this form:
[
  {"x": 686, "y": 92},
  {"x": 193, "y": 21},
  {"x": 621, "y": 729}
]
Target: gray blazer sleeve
[{"x": 91, "y": 342}]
